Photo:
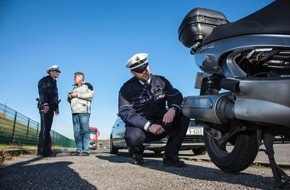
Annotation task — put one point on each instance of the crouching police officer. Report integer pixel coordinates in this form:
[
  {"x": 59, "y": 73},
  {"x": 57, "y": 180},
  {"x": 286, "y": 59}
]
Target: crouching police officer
[
  {"x": 48, "y": 107},
  {"x": 150, "y": 108}
]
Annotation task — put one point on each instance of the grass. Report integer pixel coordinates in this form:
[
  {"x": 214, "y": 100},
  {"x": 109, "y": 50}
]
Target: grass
[
  {"x": 17, "y": 131},
  {"x": 7, "y": 152},
  {"x": 7, "y": 147},
  {"x": 257, "y": 165},
  {"x": 25, "y": 132}
]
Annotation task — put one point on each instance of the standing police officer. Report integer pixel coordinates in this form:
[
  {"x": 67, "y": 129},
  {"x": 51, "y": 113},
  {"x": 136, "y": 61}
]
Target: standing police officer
[
  {"x": 48, "y": 106},
  {"x": 150, "y": 107}
]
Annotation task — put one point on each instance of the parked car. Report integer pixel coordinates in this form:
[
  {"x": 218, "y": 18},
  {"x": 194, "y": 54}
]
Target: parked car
[{"x": 193, "y": 141}]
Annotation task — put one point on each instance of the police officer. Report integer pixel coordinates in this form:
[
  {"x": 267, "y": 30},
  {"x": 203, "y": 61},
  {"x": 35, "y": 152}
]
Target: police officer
[
  {"x": 150, "y": 107},
  {"x": 48, "y": 107}
]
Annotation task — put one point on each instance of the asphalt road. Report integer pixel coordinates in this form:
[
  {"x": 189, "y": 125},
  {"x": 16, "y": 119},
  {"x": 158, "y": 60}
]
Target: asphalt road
[
  {"x": 282, "y": 155},
  {"x": 104, "y": 171}
]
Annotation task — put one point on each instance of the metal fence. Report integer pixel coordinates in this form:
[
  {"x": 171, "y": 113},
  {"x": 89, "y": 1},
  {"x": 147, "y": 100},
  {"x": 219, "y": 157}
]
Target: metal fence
[{"x": 16, "y": 128}]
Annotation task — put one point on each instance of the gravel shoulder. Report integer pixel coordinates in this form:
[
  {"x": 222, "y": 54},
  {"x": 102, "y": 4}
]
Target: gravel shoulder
[{"x": 103, "y": 171}]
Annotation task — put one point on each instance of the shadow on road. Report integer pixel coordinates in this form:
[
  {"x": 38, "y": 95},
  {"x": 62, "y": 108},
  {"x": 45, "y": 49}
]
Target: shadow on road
[
  {"x": 32, "y": 175},
  {"x": 196, "y": 171}
]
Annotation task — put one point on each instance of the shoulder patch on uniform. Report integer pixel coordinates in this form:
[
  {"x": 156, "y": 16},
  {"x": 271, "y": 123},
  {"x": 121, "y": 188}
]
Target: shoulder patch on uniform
[
  {"x": 133, "y": 79},
  {"x": 160, "y": 76}
]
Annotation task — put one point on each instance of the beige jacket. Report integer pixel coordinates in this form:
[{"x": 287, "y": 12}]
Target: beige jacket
[{"x": 82, "y": 103}]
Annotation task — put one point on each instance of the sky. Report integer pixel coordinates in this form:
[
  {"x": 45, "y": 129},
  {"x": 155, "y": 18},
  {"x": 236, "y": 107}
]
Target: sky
[{"x": 96, "y": 37}]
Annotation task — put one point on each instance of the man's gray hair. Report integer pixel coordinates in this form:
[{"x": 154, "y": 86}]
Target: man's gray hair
[{"x": 79, "y": 73}]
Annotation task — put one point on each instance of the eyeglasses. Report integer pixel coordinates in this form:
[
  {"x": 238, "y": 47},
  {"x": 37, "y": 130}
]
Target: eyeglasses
[
  {"x": 141, "y": 70},
  {"x": 56, "y": 71}
]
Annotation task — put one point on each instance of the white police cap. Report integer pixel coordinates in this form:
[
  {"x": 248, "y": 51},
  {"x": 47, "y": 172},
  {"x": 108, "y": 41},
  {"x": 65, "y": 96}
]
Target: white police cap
[
  {"x": 138, "y": 61},
  {"x": 53, "y": 68}
]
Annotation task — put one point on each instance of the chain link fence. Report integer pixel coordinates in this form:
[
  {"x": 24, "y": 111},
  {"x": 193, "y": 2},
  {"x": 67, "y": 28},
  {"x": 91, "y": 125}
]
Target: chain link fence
[{"x": 16, "y": 128}]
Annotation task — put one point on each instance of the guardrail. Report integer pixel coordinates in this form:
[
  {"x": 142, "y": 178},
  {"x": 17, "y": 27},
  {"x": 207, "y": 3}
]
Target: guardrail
[{"x": 16, "y": 128}]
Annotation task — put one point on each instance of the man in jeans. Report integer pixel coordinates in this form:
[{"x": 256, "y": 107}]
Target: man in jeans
[{"x": 80, "y": 99}]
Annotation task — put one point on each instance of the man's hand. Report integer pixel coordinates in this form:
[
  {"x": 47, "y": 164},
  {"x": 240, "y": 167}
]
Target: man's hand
[
  {"x": 156, "y": 129},
  {"x": 169, "y": 116},
  {"x": 72, "y": 95}
]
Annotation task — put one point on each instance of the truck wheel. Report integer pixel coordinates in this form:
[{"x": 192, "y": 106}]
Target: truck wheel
[{"x": 243, "y": 151}]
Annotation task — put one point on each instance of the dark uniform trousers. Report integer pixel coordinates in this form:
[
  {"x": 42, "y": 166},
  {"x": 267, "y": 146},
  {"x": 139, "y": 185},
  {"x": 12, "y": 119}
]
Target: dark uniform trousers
[
  {"x": 44, "y": 143},
  {"x": 176, "y": 131}
]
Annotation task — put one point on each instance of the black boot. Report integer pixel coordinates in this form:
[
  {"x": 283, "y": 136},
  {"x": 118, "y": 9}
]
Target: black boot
[
  {"x": 173, "y": 161},
  {"x": 138, "y": 159}
]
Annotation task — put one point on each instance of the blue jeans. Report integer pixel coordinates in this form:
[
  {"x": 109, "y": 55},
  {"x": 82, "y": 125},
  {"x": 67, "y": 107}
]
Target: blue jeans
[{"x": 81, "y": 131}]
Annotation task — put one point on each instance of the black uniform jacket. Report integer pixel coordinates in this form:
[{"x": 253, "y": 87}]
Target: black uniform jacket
[
  {"x": 48, "y": 92},
  {"x": 139, "y": 103}
]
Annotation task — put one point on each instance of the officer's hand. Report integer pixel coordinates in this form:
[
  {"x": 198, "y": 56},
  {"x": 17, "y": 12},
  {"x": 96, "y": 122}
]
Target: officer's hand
[
  {"x": 156, "y": 129},
  {"x": 46, "y": 109},
  {"x": 56, "y": 112},
  {"x": 169, "y": 116}
]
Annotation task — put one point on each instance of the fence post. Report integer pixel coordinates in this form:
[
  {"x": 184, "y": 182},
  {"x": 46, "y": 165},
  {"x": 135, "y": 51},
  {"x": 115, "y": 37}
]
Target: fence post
[
  {"x": 37, "y": 135},
  {"x": 14, "y": 125},
  {"x": 27, "y": 131}
]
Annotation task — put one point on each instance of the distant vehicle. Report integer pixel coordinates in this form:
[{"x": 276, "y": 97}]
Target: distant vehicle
[
  {"x": 193, "y": 141},
  {"x": 94, "y": 135},
  {"x": 281, "y": 139}
]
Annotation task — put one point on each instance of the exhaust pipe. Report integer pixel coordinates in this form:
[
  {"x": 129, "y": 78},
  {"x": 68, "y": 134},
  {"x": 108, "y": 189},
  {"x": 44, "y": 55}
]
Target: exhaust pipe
[
  {"x": 258, "y": 100},
  {"x": 221, "y": 109},
  {"x": 211, "y": 108}
]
